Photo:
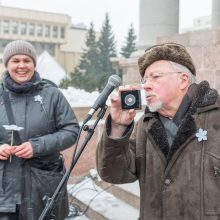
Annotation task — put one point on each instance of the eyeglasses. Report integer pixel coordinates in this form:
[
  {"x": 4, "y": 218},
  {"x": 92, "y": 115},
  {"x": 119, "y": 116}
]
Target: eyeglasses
[{"x": 154, "y": 77}]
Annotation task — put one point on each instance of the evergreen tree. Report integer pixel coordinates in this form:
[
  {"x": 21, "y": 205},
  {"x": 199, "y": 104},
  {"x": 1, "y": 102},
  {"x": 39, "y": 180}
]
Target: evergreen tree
[
  {"x": 65, "y": 83},
  {"x": 130, "y": 44},
  {"x": 84, "y": 75},
  {"x": 107, "y": 49},
  {"x": 95, "y": 65}
]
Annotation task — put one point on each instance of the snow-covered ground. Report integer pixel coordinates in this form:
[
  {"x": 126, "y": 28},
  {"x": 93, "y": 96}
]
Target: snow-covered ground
[{"x": 100, "y": 200}]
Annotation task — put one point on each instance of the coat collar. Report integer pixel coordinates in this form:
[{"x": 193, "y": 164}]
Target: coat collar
[{"x": 203, "y": 100}]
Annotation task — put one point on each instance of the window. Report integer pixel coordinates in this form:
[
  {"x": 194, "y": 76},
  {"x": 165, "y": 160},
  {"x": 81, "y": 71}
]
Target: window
[
  {"x": 62, "y": 32},
  {"x": 55, "y": 32},
  {"x": 47, "y": 31},
  {"x": 3, "y": 44},
  {"x": 14, "y": 27},
  {"x": 31, "y": 29},
  {"x": 23, "y": 30},
  {"x": 6, "y": 27},
  {"x": 50, "y": 48},
  {"x": 39, "y": 30}
]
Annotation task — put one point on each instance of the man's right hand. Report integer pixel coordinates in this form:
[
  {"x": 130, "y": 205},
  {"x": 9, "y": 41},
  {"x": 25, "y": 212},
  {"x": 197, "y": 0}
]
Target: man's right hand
[{"x": 121, "y": 119}]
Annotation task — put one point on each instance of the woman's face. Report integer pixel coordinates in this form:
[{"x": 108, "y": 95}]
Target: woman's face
[{"x": 21, "y": 68}]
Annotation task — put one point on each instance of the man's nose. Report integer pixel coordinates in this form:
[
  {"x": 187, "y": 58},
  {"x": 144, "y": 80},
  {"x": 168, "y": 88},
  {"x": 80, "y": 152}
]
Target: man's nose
[{"x": 147, "y": 85}]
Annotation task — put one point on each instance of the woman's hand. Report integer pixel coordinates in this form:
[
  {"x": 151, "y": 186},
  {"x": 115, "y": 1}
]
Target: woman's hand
[
  {"x": 24, "y": 150},
  {"x": 5, "y": 151}
]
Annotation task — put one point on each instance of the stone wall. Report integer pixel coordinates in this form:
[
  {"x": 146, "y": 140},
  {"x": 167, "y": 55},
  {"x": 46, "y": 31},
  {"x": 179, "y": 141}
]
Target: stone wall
[{"x": 204, "y": 47}]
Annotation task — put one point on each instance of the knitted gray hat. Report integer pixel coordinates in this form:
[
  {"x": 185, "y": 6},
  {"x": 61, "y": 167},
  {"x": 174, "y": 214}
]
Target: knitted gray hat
[
  {"x": 19, "y": 47},
  {"x": 167, "y": 51}
]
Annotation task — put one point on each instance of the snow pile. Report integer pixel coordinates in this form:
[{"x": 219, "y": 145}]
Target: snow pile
[
  {"x": 48, "y": 68},
  {"x": 79, "y": 97}
]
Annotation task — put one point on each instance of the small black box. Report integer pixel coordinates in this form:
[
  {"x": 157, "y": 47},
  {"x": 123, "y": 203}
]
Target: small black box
[{"x": 131, "y": 99}]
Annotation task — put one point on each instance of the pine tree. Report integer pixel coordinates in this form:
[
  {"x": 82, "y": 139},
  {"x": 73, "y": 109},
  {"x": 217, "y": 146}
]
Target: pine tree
[
  {"x": 107, "y": 49},
  {"x": 130, "y": 44},
  {"x": 95, "y": 65},
  {"x": 84, "y": 75}
]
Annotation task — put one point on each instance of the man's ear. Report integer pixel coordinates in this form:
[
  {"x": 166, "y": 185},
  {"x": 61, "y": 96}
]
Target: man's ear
[{"x": 184, "y": 77}]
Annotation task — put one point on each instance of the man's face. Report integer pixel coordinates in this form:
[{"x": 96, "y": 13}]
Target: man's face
[
  {"x": 20, "y": 68},
  {"x": 162, "y": 86}
]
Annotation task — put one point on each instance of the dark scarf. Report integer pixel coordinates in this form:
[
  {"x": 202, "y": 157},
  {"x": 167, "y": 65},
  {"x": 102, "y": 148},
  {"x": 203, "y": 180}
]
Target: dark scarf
[
  {"x": 171, "y": 125},
  {"x": 11, "y": 85}
]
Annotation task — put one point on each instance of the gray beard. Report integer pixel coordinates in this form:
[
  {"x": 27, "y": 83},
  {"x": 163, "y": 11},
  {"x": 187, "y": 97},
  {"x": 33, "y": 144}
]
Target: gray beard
[{"x": 155, "y": 107}]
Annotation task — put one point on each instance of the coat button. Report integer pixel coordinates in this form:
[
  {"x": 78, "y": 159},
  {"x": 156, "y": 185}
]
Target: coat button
[{"x": 168, "y": 181}]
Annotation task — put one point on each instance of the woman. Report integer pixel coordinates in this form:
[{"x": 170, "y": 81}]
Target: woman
[{"x": 44, "y": 125}]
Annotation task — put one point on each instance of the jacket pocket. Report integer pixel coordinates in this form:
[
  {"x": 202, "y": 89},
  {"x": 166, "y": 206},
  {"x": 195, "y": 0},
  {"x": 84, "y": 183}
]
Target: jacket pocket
[{"x": 211, "y": 184}]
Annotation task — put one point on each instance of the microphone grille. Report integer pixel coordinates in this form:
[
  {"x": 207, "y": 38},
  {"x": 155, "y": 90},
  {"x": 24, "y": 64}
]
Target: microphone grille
[{"x": 115, "y": 80}]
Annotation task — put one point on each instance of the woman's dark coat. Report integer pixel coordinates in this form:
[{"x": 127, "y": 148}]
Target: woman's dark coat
[{"x": 49, "y": 124}]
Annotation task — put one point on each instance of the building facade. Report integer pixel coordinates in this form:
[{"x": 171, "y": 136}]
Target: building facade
[{"x": 46, "y": 31}]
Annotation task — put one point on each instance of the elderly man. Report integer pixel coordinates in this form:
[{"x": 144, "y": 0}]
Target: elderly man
[{"x": 173, "y": 150}]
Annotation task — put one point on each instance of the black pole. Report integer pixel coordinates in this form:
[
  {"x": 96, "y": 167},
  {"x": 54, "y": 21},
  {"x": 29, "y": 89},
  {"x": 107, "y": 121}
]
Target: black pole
[{"x": 65, "y": 178}]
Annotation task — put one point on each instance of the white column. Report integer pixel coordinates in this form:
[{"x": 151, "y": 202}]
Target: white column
[
  {"x": 157, "y": 18},
  {"x": 215, "y": 13}
]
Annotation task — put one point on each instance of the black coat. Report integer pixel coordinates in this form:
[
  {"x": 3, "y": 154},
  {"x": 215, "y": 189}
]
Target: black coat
[{"x": 49, "y": 124}]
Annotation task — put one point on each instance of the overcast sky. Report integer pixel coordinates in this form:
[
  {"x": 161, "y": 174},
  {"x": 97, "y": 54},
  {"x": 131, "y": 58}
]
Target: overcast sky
[{"x": 122, "y": 13}]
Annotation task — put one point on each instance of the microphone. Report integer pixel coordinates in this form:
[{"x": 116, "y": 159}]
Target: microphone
[{"x": 113, "y": 82}]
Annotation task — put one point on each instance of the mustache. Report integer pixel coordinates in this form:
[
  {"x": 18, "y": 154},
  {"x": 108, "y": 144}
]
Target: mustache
[{"x": 148, "y": 94}]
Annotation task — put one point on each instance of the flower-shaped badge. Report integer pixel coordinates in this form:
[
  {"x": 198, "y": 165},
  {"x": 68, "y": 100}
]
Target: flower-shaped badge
[
  {"x": 12, "y": 128},
  {"x": 38, "y": 98},
  {"x": 201, "y": 135}
]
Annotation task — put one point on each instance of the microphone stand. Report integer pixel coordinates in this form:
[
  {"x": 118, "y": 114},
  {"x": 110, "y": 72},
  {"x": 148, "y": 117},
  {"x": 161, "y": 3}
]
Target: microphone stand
[{"x": 90, "y": 132}]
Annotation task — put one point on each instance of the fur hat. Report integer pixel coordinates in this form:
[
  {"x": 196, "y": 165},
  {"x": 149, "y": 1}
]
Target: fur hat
[
  {"x": 168, "y": 51},
  {"x": 19, "y": 47}
]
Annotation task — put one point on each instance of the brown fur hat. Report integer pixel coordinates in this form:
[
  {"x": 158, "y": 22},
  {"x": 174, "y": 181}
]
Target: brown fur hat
[{"x": 168, "y": 51}]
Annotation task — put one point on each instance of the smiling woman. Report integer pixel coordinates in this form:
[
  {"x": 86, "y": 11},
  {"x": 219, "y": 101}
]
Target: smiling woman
[{"x": 31, "y": 165}]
